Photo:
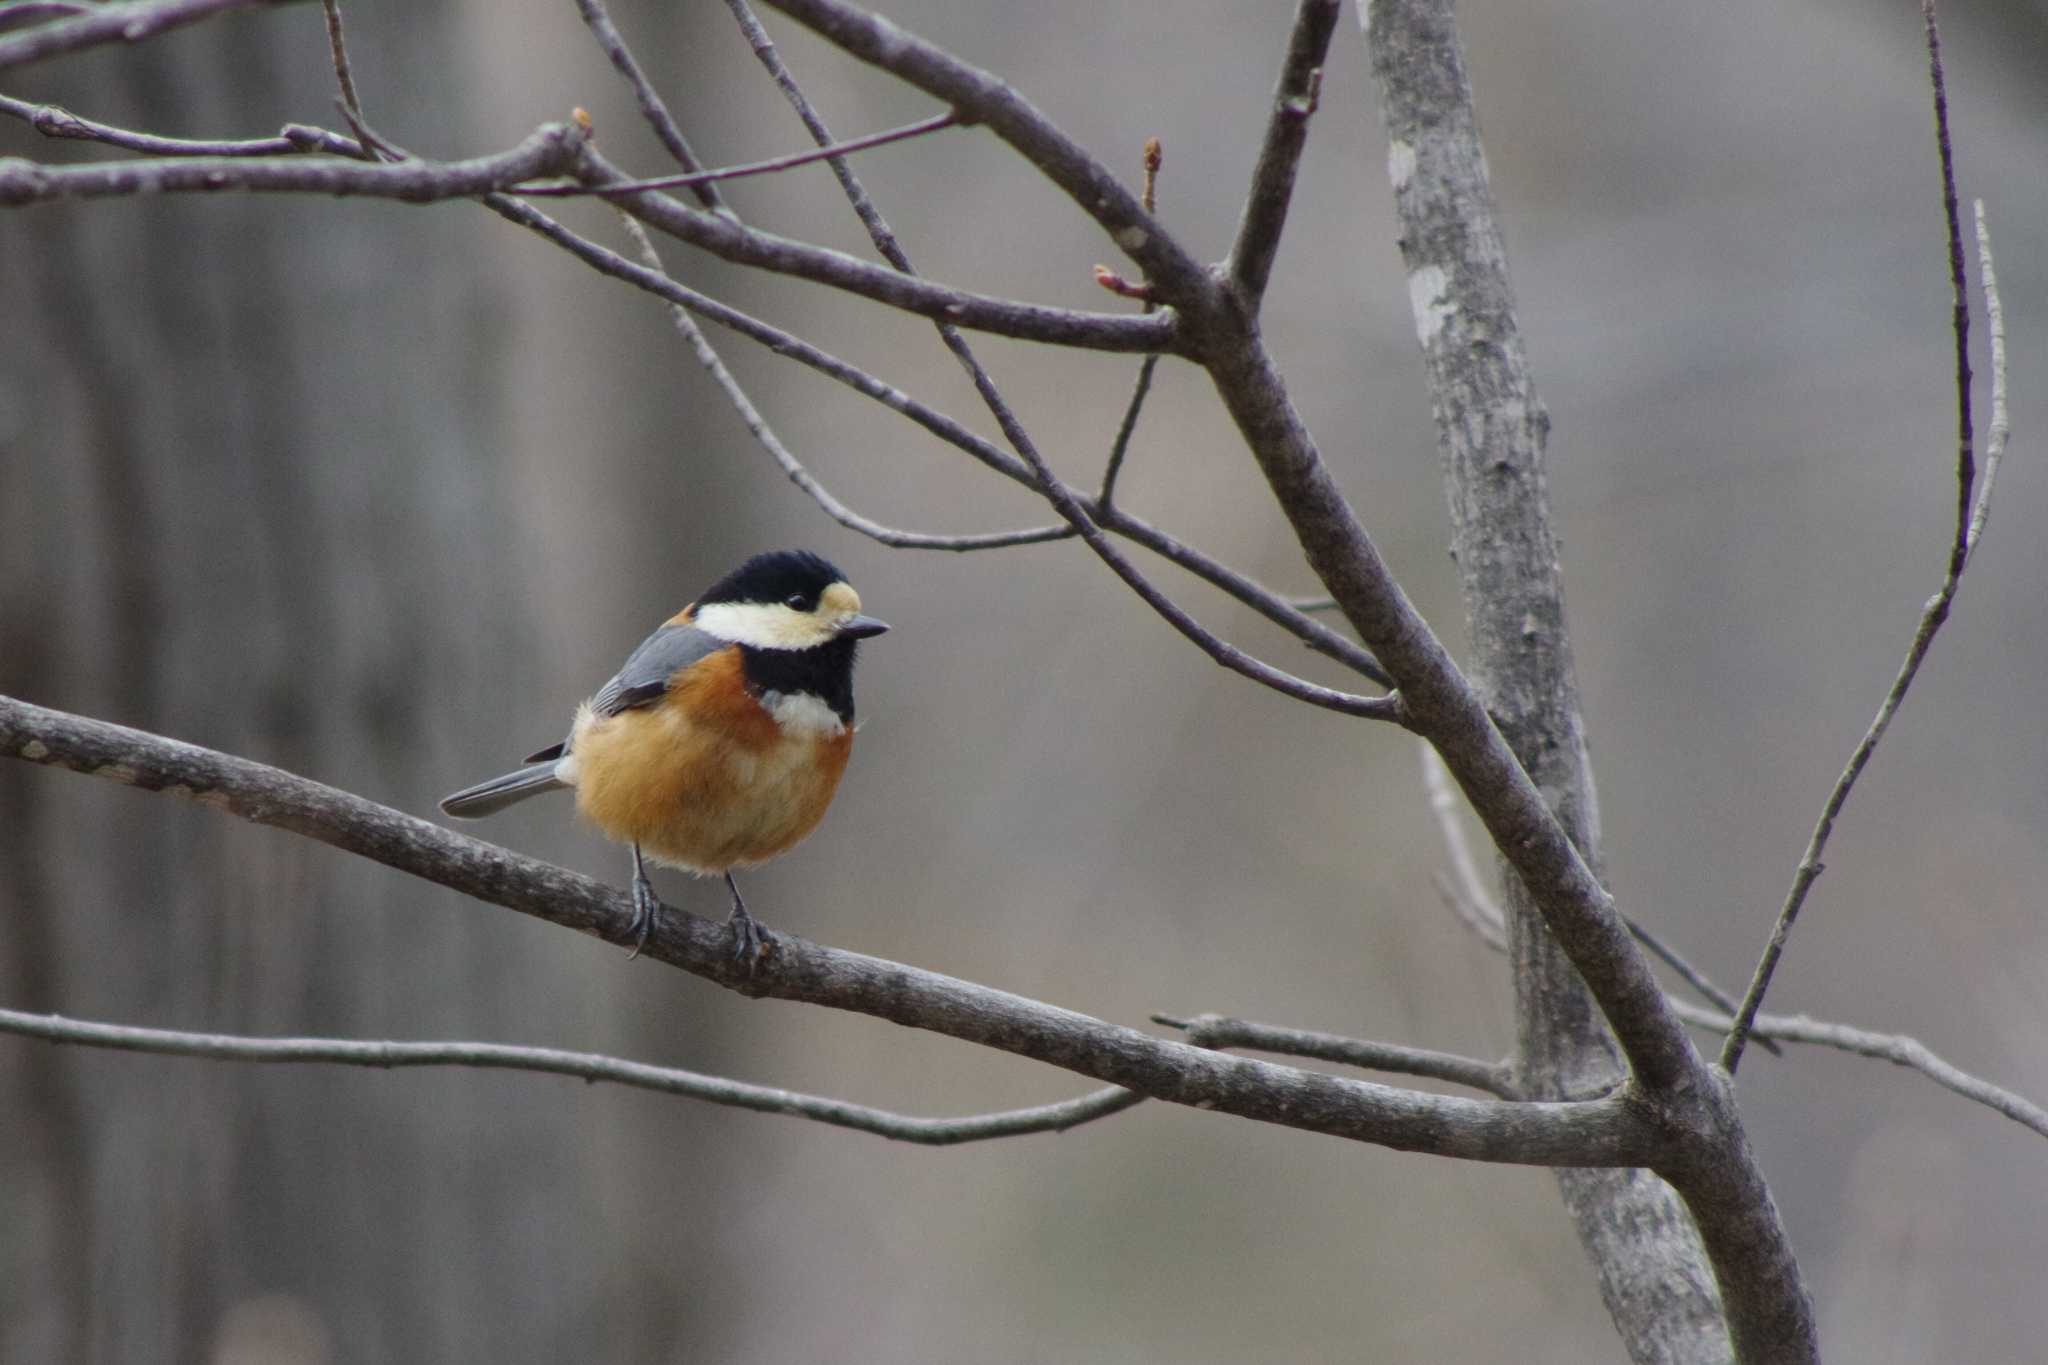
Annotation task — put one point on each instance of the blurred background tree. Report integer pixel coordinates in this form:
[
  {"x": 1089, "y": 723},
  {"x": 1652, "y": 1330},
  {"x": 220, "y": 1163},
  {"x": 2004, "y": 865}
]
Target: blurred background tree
[{"x": 363, "y": 491}]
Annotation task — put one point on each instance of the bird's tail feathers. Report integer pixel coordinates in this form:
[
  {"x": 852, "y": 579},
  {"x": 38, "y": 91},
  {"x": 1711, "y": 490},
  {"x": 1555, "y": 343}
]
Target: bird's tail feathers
[{"x": 488, "y": 798}]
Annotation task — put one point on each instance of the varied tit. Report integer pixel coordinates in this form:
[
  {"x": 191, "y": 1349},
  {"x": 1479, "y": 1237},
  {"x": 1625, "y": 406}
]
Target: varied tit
[{"x": 720, "y": 742}]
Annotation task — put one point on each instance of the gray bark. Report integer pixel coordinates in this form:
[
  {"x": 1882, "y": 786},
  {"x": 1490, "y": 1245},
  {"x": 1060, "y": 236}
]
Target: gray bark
[{"x": 1491, "y": 429}]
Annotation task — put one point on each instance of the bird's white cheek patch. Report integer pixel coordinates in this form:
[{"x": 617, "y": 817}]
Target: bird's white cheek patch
[
  {"x": 800, "y": 713},
  {"x": 764, "y": 625}
]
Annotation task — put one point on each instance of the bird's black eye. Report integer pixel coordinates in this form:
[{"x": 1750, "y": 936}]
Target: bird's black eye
[{"x": 797, "y": 601}]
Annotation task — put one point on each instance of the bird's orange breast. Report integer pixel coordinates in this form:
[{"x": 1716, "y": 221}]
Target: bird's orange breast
[{"x": 705, "y": 779}]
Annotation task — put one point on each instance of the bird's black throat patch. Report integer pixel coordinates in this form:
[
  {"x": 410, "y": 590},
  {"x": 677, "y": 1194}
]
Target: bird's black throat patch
[{"x": 823, "y": 671}]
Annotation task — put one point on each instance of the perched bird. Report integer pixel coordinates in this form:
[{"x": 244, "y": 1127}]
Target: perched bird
[{"x": 720, "y": 742}]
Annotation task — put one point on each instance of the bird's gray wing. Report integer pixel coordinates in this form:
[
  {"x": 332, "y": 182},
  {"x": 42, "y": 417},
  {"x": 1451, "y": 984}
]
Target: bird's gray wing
[{"x": 644, "y": 677}]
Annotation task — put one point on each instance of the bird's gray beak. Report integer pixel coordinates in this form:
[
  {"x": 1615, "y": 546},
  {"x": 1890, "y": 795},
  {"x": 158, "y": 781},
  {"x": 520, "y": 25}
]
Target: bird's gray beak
[{"x": 861, "y": 627}]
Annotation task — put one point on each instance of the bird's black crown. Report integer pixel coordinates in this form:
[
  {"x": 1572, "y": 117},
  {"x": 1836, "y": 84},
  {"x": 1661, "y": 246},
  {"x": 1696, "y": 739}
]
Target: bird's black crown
[{"x": 777, "y": 576}]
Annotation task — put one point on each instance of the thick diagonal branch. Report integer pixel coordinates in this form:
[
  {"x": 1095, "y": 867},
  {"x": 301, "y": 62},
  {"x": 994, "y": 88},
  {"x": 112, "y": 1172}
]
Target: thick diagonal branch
[{"x": 1612, "y": 1131}]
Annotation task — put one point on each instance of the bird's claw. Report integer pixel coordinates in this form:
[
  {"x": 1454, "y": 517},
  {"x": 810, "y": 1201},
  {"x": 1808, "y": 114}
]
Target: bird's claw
[
  {"x": 750, "y": 937},
  {"x": 645, "y": 902}
]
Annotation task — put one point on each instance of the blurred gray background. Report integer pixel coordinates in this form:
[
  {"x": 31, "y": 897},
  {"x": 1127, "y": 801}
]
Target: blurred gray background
[{"x": 377, "y": 492}]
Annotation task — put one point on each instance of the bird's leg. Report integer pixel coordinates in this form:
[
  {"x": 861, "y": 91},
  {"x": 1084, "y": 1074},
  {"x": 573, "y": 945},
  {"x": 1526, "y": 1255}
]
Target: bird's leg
[
  {"x": 749, "y": 935},
  {"x": 644, "y": 903}
]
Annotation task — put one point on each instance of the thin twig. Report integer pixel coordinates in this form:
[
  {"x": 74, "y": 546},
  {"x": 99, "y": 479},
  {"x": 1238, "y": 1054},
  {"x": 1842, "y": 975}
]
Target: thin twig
[
  {"x": 54, "y": 121},
  {"x": 780, "y": 163},
  {"x": 1387, "y": 708},
  {"x": 1473, "y": 903},
  {"x": 113, "y": 23},
  {"x": 980, "y": 95},
  {"x": 1994, "y": 324},
  {"x": 1220, "y": 1031},
  {"x": 1311, "y": 632},
  {"x": 765, "y": 436},
  {"x": 1799, "y": 1028},
  {"x": 1121, "y": 446},
  {"x": 1970, "y": 516},
  {"x": 1250, "y": 264},
  {"x": 337, "y": 47},
  {"x": 350, "y": 105},
  {"x": 586, "y": 1066},
  {"x": 725, "y": 237},
  {"x": 1443, "y": 804},
  {"x": 1268, "y": 604},
  {"x": 310, "y": 140},
  {"x": 1959, "y": 293},
  {"x": 1154, "y": 156},
  {"x": 652, "y": 108},
  {"x": 21, "y": 13},
  {"x": 656, "y": 280},
  {"x": 1612, "y": 1131},
  {"x": 1890, "y": 1047},
  {"x": 1481, "y": 917},
  {"x": 549, "y": 151},
  {"x": 1272, "y": 606}
]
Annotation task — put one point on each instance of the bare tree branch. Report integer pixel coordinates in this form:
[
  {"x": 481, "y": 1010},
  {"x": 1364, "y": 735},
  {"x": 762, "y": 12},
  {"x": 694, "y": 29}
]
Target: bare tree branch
[
  {"x": 1896, "y": 1048},
  {"x": 652, "y": 108},
  {"x": 765, "y": 436},
  {"x": 114, "y": 23},
  {"x": 21, "y": 13},
  {"x": 1959, "y": 298},
  {"x": 1801, "y": 1028},
  {"x": 1443, "y": 804},
  {"x": 294, "y": 138},
  {"x": 724, "y": 237},
  {"x": 1120, "y": 447},
  {"x": 1971, "y": 512},
  {"x": 1336, "y": 545},
  {"x": 1470, "y": 900},
  {"x": 1221, "y": 1031},
  {"x": 1676, "y": 1115},
  {"x": 551, "y": 150},
  {"x": 986, "y": 99},
  {"x": 1294, "y": 103},
  {"x": 749, "y": 414},
  {"x": 1222, "y": 651},
  {"x": 878, "y": 229},
  {"x": 586, "y": 1066},
  {"x": 1994, "y": 446},
  {"x": 1064, "y": 499},
  {"x": 54, "y": 121},
  {"x": 1481, "y": 917},
  {"x": 768, "y": 167},
  {"x": 1268, "y": 604},
  {"x": 1125, "y": 429},
  {"x": 337, "y": 49},
  {"x": 1612, "y": 1131}
]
